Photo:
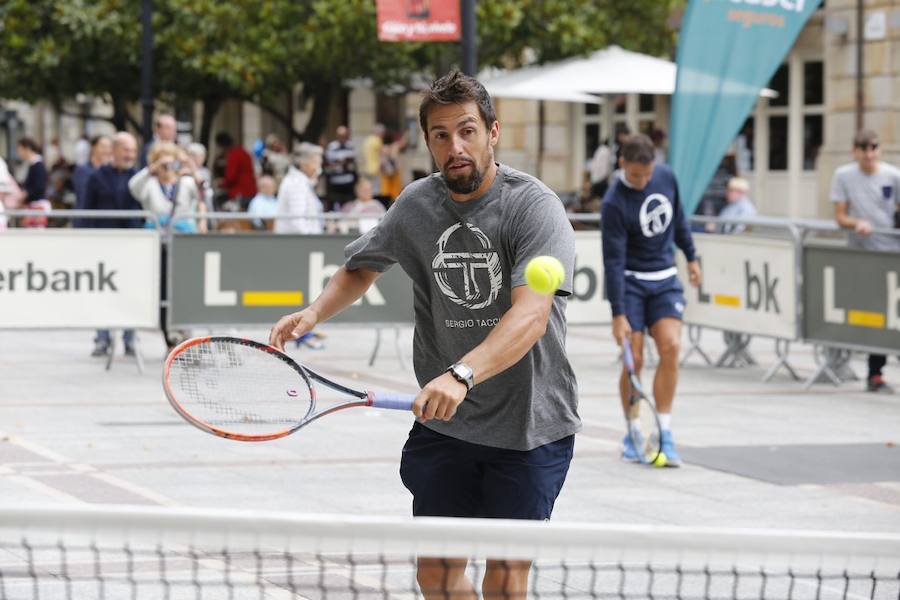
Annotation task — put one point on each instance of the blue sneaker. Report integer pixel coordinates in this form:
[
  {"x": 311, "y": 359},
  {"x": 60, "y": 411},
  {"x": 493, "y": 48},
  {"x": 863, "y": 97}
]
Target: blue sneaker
[
  {"x": 667, "y": 446},
  {"x": 629, "y": 452}
]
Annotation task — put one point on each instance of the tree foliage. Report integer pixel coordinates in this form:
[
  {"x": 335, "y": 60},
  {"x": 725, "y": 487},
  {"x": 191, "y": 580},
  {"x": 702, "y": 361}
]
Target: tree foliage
[{"x": 258, "y": 50}]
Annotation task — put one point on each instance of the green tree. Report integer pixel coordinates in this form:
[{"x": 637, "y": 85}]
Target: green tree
[
  {"x": 53, "y": 50},
  {"x": 259, "y": 50}
]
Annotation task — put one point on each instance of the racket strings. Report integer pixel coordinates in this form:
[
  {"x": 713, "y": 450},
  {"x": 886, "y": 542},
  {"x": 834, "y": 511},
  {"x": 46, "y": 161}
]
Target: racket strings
[{"x": 243, "y": 388}]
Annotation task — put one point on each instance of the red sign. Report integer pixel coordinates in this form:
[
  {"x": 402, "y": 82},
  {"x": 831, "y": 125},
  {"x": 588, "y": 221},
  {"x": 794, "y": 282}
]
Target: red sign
[{"x": 418, "y": 20}]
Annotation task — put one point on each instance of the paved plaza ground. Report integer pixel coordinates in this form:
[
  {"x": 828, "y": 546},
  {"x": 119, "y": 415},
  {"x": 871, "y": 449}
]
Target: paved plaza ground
[{"x": 758, "y": 454}]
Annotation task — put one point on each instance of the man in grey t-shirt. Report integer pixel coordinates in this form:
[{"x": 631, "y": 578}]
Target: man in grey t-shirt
[
  {"x": 865, "y": 196},
  {"x": 498, "y": 406}
]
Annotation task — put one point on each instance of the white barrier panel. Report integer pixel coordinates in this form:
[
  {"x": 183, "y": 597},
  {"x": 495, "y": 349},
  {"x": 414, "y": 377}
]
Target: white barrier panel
[
  {"x": 79, "y": 278},
  {"x": 587, "y": 304},
  {"x": 749, "y": 285}
]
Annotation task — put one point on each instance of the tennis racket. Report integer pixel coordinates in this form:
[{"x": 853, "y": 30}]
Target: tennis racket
[
  {"x": 643, "y": 422},
  {"x": 246, "y": 391}
]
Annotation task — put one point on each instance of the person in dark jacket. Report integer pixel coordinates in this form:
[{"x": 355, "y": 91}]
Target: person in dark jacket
[
  {"x": 100, "y": 154},
  {"x": 107, "y": 189},
  {"x": 35, "y": 184},
  {"x": 642, "y": 220}
]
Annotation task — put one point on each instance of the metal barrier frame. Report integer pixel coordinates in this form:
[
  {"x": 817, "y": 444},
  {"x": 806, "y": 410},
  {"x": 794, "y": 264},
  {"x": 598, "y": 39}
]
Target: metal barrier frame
[{"x": 833, "y": 367}]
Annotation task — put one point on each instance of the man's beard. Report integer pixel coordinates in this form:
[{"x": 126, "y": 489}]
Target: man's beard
[{"x": 467, "y": 184}]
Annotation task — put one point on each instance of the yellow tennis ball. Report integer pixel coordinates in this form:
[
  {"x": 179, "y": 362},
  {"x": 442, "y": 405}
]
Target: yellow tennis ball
[
  {"x": 661, "y": 460},
  {"x": 544, "y": 274}
]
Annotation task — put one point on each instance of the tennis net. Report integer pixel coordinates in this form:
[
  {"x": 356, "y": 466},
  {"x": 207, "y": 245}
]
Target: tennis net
[{"x": 120, "y": 552}]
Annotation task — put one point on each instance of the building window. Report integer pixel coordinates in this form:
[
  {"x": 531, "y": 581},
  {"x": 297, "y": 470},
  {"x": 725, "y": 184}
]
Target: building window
[
  {"x": 646, "y": 103},
  {"x": 777, "y": 119},
  {"x": 812, "y": 141},
  {"x": 778, "y": 143},
  {"x": 779, "y": 83},
  {"x": 591, "y": 139},
  {"x": 813, "y": 108},
  {"x": 743, "y": 148},
  {"x": 813, "y": 83}
]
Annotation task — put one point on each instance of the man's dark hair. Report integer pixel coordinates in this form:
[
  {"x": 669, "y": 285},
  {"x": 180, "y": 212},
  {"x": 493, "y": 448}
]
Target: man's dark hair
[
  {"x": 638, "y": 148},
  {"x": 865, "y": 137},
  {"x": 224, "y": 139},
  {"x": 457, "y": 88},
  {"x": 30, "y": 143},
  {"x": 97, "y": 139}
]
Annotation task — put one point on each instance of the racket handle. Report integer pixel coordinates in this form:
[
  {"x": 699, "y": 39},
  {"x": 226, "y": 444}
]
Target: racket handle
[
  {"x": 393, "y": 401},
  {"x": 627, "y": 356}
]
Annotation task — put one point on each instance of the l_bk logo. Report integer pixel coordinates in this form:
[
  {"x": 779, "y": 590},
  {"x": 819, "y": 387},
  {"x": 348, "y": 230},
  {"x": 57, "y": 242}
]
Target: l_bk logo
[
  {"x": 319, "y": 273},
  {"x": 760, "y": 292},
  {"x": 832, "y": 313}
]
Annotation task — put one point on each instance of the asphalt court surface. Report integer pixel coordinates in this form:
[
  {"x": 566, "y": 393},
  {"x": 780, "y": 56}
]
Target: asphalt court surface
[{"x": 758, "y": 454}]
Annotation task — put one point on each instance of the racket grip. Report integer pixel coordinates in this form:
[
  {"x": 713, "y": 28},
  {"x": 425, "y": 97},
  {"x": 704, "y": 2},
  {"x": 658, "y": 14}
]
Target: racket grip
[
  {"x": 627, "y": 355},
  {"x": 393, "y": 401}
]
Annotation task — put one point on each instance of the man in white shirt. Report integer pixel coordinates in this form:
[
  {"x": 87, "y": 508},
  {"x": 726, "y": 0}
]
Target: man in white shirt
[
  {"x": 866, "y": 195},
  {"x": 297, "y": 195}
]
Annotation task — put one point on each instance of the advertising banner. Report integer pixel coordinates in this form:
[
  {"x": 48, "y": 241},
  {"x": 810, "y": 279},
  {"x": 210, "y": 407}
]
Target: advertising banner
[
  {"x": 418, "y": 20},
  {"x": 255, "y": 279},
  {"x": 727, "y": 51},
  {"x": 852, "y": 297},
  {"x": 79, "y": 278},
  {"x": 588, "y": 304},
  {"x": 749, "y": 285}
]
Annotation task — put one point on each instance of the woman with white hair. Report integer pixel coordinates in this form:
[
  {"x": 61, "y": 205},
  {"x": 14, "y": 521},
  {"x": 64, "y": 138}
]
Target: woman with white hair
[{"x": 297, "y": 195}]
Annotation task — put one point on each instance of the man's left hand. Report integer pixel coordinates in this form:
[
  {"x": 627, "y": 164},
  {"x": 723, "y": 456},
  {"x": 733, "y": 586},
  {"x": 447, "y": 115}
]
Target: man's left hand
[
  {"x": 440, "y": 398},
  {"x": 695, "y": 276}
]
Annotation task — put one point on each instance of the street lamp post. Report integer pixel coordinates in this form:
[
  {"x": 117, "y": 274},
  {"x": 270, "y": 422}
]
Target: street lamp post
[
  {"x": 469, "y": 41},
  {"x": 147, "y": 69}
]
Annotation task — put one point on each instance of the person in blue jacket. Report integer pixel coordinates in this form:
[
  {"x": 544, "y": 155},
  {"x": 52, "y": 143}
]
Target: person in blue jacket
[{"x": 642, "y": 221}]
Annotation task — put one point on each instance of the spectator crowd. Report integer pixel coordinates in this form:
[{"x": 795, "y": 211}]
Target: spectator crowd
[{"x": 310, "y": 189}]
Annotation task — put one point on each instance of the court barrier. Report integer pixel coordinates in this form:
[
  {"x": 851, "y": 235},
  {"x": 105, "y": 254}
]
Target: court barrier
[
  {"x": 787, "y": 280},
  {"x": 795, "y": 281},
  {"x": 63, "y": 278}
]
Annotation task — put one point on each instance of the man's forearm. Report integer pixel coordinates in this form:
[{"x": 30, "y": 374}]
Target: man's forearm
[
  {"x": 343, "y": 289},
  {"x": 510, "y": 340},
  {"x": 846, "y": 221}
]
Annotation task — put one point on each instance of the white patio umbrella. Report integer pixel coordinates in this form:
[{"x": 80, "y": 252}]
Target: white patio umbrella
[
  {"x": 608, "y": 71},
  {"x": 526, "y": 84}
]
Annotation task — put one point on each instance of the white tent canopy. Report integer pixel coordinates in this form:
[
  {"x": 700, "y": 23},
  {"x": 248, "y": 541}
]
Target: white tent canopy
[
  {"x": 525, "y": 83},
  {"x": 609, "y": 71}
]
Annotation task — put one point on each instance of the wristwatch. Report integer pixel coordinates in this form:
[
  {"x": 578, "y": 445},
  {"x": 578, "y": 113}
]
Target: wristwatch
[{"x": 463, "y": 374}]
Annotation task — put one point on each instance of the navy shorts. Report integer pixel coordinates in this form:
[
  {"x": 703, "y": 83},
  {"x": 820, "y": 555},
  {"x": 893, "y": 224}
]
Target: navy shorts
[
  {"x": 453, "y": 478},
  {"x": 646, "y": 302}
]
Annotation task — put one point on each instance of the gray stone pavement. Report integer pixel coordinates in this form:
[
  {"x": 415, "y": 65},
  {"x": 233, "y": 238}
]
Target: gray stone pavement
[{"x": 758, "y": 454}]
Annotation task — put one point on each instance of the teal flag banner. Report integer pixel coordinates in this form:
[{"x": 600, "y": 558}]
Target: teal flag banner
[{"x": 727, "y": 51}]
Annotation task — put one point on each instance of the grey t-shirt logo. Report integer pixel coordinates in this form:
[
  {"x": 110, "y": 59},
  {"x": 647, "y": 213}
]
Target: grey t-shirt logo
[{"x": 462, "y": 271}]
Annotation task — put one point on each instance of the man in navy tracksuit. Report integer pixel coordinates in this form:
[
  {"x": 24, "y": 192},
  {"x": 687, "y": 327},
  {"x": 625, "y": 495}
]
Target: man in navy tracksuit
[{"x": 642, "y": 217}]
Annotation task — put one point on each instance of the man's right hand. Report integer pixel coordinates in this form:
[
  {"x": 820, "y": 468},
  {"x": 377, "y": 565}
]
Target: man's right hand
[
  {"x": 621, "y": 328},
  {"x": 292, "y": 326},
  {"x": 863, "y": 227}
]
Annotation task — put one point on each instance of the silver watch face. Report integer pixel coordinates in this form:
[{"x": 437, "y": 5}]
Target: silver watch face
[{"x": 463, "y": 373}]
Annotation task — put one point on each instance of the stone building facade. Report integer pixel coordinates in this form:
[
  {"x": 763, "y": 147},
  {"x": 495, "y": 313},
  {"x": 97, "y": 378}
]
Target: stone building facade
[{"x": 788, "y": 147}]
